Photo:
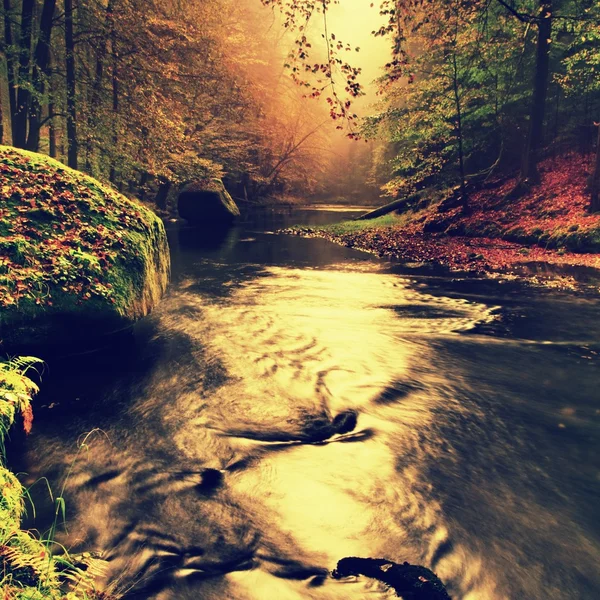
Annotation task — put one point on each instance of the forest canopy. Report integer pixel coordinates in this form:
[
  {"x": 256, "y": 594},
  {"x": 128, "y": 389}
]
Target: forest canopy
[{"x": 151, "y": 95}]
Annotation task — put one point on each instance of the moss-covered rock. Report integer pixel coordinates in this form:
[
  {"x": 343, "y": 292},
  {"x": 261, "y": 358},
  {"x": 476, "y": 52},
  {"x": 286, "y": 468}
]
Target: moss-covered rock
[
  {"x": 204, "y": 203},
  {"x": 77, "y": 258}
]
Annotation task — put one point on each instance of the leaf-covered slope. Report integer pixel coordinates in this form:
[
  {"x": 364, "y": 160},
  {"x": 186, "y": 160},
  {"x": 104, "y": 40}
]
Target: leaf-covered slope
[
  {"x": 549, "y": 224},
  {"x": 70, "y": 245}
]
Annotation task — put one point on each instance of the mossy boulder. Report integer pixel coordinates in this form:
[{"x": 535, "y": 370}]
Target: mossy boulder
[
  {"x": 77, "y": 259},
  {"x": 207, "y": 203}
]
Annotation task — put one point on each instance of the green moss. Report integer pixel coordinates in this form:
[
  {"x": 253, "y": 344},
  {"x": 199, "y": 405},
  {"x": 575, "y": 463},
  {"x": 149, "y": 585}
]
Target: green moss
[
  {"x": 580, "y": 240},
  {"x": 543, "y": 238},
  {"x": 72, "y": 246},
  {"x": 226, "y": 197},
  {"x": 349, "y": 227}
]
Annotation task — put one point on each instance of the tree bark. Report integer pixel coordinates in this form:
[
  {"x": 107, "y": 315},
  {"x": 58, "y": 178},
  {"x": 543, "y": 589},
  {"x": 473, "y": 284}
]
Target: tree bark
[
  {"x": 383, "y": 210},
  {"x": 595, "y": 183},
  {"x": 51, "y": 128},
  {"x": 529, "y": 171},
  {"x": 162, "y": 195},
  {"x": 1, "y": 119},
  {"x": 459, "y": 132},
  {"x": 96, "y": 97},
  {"x": 71, "y": 101},
  {"x": 142, "y": 185},
  {"x": 10, "y": 65},
  {"x": 23, "y": 93},
  {"x": 41, "y": 73},
  {"x": 115, "y": 99}
]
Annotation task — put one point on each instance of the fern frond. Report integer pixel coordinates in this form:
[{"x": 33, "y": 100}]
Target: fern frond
[
  {"x": 22, "y": 364},
  {"x": 27, "y": 562}
]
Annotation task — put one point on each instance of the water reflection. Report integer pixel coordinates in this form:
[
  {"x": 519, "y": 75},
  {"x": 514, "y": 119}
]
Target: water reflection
[{"x": 279, "y": 417}]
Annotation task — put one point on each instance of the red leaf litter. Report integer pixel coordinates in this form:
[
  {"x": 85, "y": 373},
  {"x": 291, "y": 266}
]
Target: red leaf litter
[{"x": 497, "y": 234}]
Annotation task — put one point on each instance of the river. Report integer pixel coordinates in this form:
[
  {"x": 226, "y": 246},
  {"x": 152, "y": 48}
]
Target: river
[{"x": 292, "y": 402}]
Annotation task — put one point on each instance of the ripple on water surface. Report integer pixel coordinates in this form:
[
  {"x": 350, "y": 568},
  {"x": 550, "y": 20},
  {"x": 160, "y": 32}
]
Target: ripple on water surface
[{"x": 311, "y": 414}]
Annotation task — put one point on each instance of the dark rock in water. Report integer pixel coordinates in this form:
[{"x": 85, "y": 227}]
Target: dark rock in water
[
  {"x": 204, "y": 203},
  {"x": 411, "y": 582},
  {"x": 211, "y": 480},
  {"x": 321, "y": 428},
  {"x": 345, "y": 422},
  {"x": 317, "y": 429}
]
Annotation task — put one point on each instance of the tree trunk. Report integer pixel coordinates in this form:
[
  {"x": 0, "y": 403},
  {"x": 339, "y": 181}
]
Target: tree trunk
[
  {"x": 142, "y": 185},
  {"x": 10, "y": 65},
  {"x": 459, "y": 132},
  {"x": 595, "y": 183},
  {"x": 51, "y": 129},
  {"x": 96, "y": 97},
  {"x": 71, "y": 106},
  {"x": 529, "y": 171},
  {"x": 52, "y": 149},
  {"x": 41, "y": 73},
  {"x": 162, "y": 195},
  {"x": 1, "y": 119},
  {"x": 383, "y": 210},
  {"x": 23, "y": 93},
  {"x": 115, "y": 99}
]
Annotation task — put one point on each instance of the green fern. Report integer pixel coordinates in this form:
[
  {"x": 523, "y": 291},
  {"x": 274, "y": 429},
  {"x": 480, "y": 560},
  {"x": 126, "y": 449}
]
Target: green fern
[
  {"x": 16, "y": 392},
  {"x": 28, "y": 569}
]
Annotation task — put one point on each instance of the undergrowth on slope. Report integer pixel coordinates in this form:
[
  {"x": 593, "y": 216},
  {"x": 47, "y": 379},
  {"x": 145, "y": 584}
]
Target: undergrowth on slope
[
  {"x": 28, "y": 569},
  {"x": 548, "y": 224}
]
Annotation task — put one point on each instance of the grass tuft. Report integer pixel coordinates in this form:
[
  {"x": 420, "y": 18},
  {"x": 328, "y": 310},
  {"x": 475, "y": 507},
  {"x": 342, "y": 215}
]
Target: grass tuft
[{"x": 28, "y": 570}]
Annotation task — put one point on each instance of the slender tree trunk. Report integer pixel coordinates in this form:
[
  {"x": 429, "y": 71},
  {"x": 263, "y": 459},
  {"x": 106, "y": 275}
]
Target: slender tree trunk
[
  {"x": 115, "y": 99},
  {"x": 51, "y": 129},
  {"x": 459, "y": 132},
  {"x": 23, "y": 93},
  {"x": 1, "y": 119},
  {"x": 41, "y": 73},
  {"x": 142, "y": 185},
  {"x": 530, "y": 159},
  {"x": 52, "y": 149},
  {"x": 96, "y": 97},
  {"x": 71, "y": 106},
  {"x": 10, "y": 65},
  {"x": 595, "y": 183},
  {"x": 162, "y": 195},
  {"x": 556, "y": 113}
]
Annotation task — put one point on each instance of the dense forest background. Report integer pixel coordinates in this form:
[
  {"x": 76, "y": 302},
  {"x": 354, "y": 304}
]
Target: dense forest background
[{"x": 153, "y": 94}]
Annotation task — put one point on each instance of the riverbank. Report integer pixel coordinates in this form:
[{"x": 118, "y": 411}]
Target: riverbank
[
  {"x": 548, "y": 225},
  {"x": 29, "y": 567},
  {"x": 78, "y": 261}
]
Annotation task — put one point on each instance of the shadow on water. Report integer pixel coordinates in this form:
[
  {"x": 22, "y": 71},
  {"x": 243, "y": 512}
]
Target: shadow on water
[{"x": 292, "y": 402}]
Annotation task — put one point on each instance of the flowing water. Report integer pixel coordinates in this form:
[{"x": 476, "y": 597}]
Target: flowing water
[{"x": 292, "y": 402}]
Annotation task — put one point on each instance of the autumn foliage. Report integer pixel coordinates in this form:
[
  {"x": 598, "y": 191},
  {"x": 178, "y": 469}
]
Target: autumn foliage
[{"x": 550, "y": 224}]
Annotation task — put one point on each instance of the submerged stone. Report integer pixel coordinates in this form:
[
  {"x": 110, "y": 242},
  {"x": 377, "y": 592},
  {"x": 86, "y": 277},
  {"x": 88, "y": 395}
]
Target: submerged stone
[{"x": 345, "y": 422}]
